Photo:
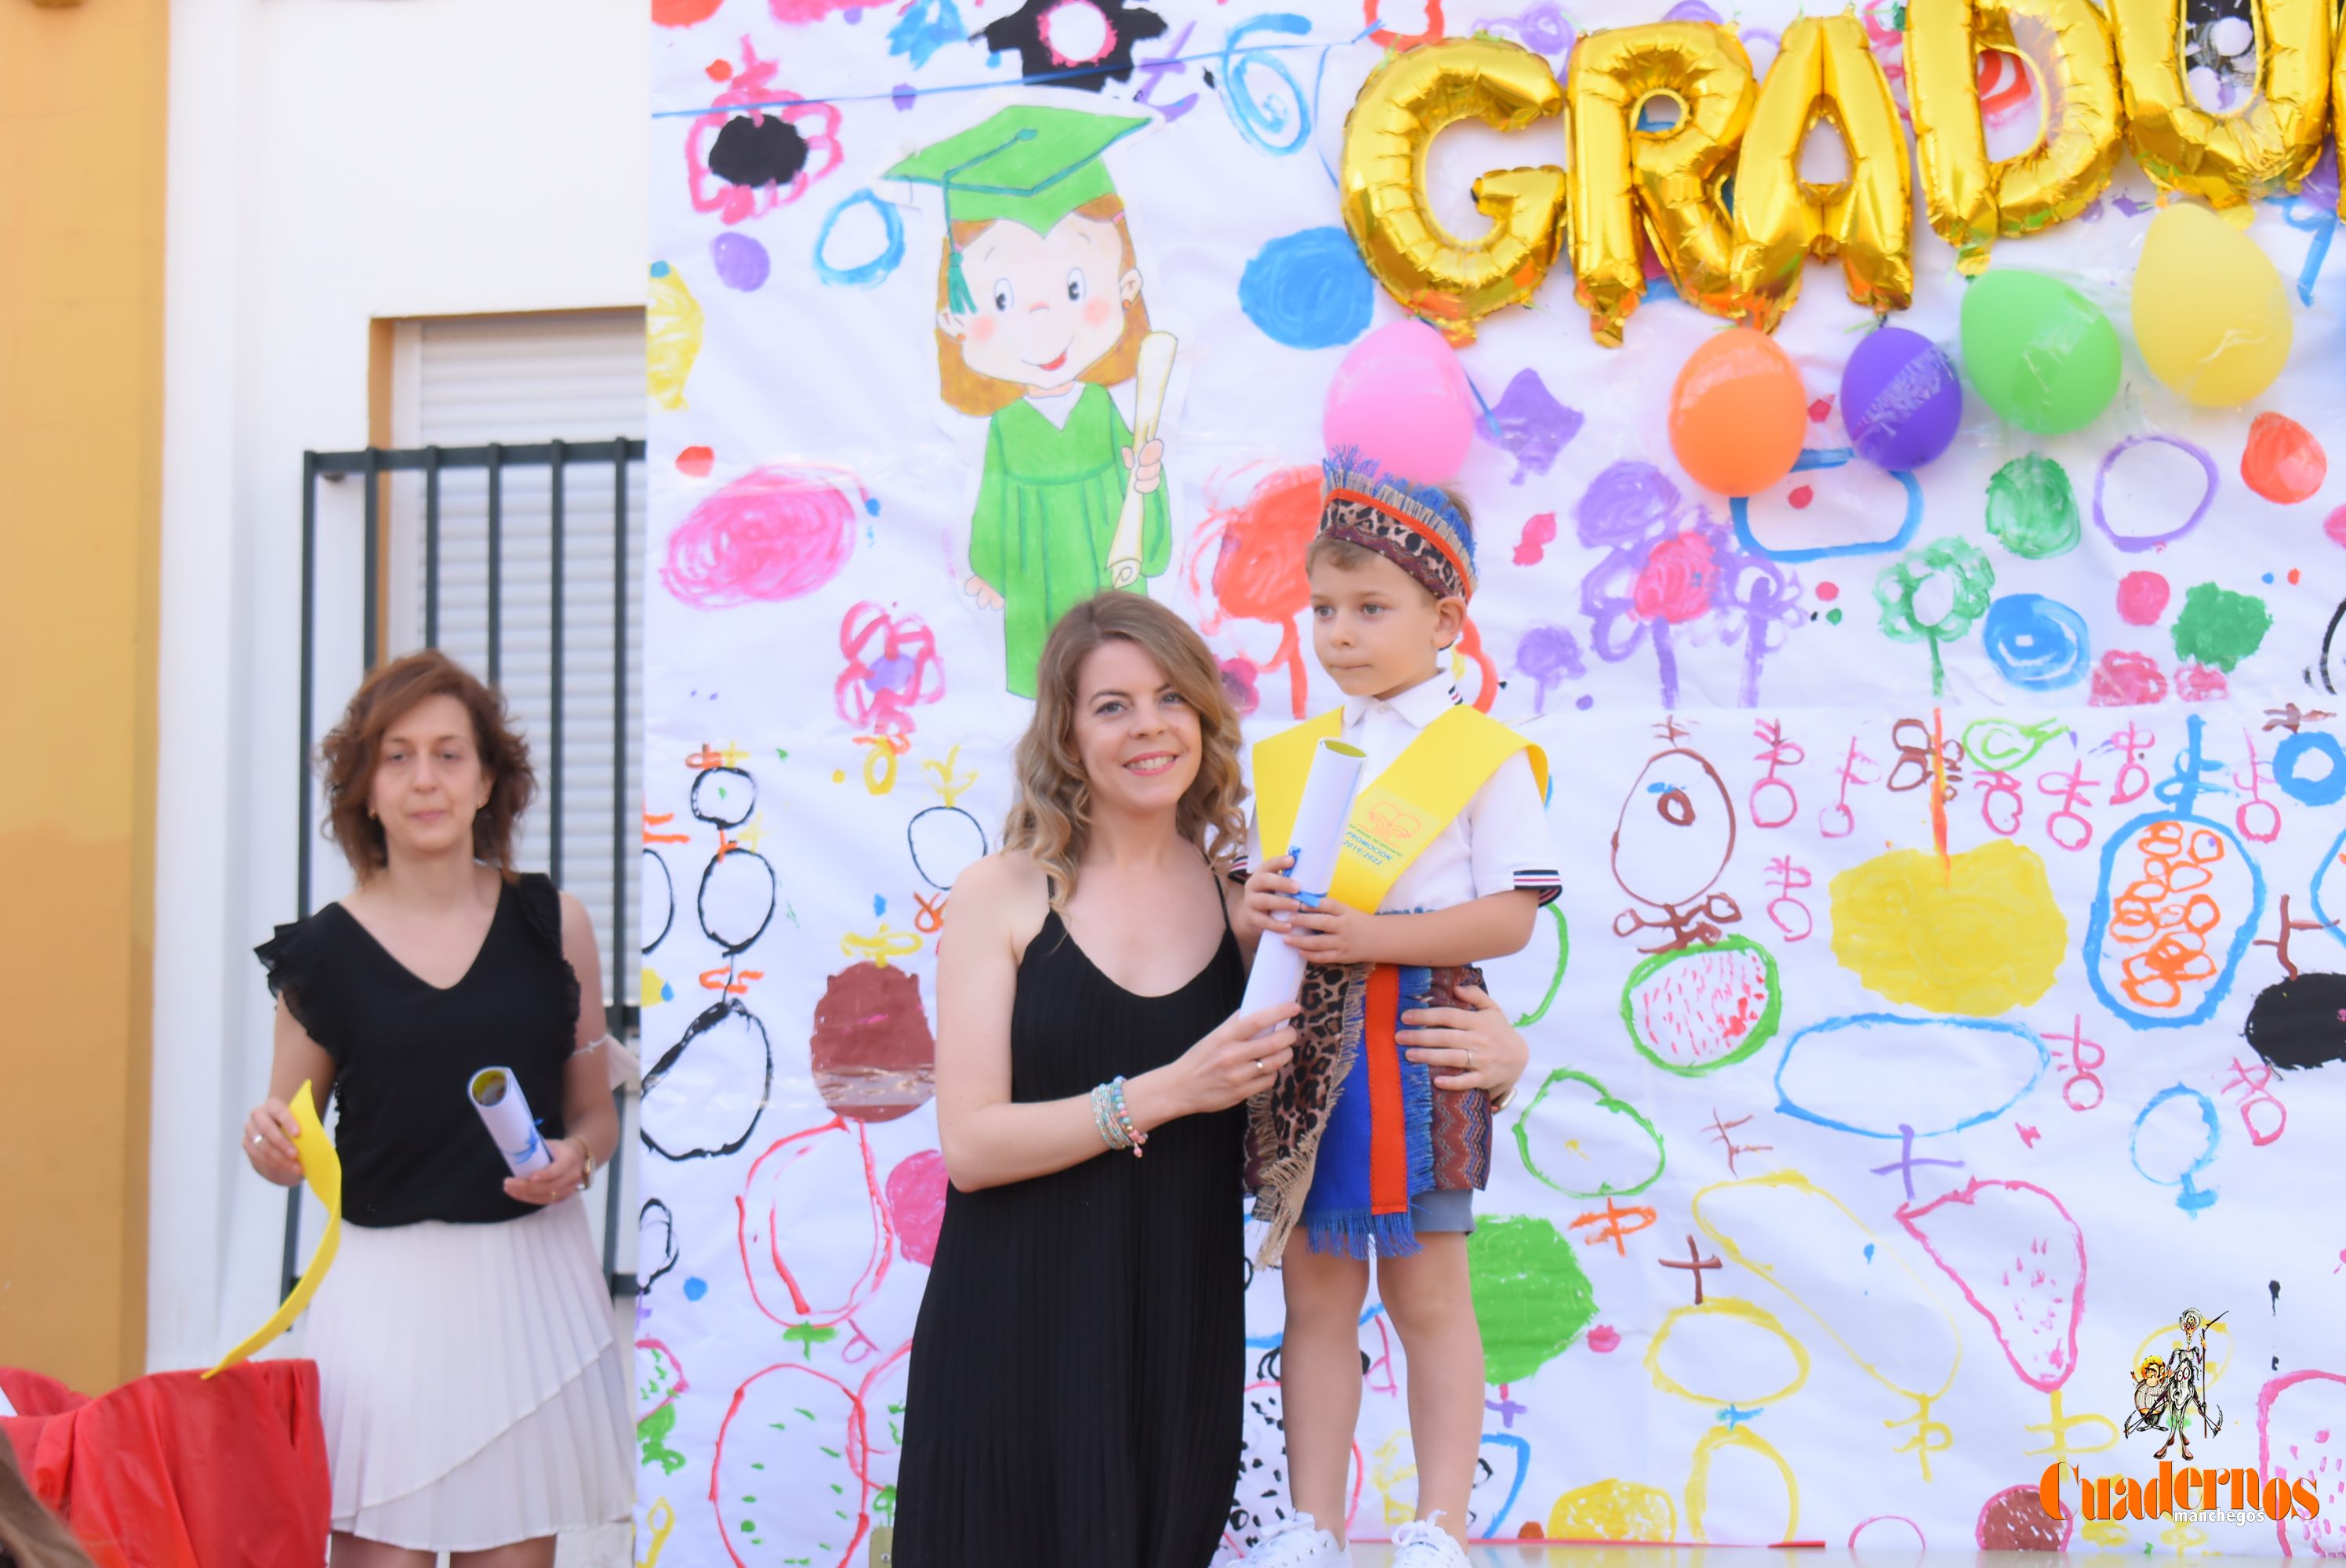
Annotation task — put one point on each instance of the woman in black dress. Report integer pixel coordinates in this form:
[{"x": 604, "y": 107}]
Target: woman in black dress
[
  {"x": 1076, "y": 1373},
  {"x": 1075, "y": 1387},
  {"x": 474, "y": 1391}
]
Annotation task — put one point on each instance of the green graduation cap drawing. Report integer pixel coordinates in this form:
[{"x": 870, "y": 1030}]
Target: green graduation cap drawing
[{"x": 1031, "y": 164}]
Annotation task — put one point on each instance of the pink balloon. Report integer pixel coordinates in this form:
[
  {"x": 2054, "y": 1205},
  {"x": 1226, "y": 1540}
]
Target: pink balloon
[{"x": 1400, "y": 397}]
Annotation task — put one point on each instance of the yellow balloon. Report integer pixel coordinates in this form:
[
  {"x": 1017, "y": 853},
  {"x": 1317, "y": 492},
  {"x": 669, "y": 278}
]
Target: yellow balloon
[
  {"x": 1406, "y": 100},
  {"x": 1972, "y": 202},
  {"x": 1667, "y": 179},
  {"x": 2226, "y": 158},
  {"x": 2211, "y": 313},
  {"x": 1823, "y": 71}
]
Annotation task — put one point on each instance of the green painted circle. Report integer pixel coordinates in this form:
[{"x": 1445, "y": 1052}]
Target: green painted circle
[
  {"x": 1605, "y": 1101},
  {"x": 1763, "y": 1028}
]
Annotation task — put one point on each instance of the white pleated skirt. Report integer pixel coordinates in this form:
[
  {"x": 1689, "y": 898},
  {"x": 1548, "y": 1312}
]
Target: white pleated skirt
[{"x": 474, "y": 1391}]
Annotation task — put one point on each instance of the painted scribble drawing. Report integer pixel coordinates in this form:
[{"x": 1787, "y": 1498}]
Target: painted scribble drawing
[{"x": 1949, "y": 980}]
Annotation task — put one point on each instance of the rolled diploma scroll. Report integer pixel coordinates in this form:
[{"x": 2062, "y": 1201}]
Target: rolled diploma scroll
[
  {"x": 1153, "y": 372},
  {"x": 505, "y": 1111},
  {"x": 1320, "y": 817}
]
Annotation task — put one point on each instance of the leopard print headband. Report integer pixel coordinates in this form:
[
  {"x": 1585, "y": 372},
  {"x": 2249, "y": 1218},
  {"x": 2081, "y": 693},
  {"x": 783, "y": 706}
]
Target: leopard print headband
[{"x": 1416, "y": 527}]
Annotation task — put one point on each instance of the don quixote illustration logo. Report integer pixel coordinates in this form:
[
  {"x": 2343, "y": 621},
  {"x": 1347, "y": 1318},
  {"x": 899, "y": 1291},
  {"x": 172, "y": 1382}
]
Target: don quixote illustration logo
[{"x": 2170, "y": 1397}]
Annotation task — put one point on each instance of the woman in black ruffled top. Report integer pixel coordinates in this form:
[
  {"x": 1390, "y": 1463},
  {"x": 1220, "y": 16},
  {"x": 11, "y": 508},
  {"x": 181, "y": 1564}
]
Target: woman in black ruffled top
[{"x": 475, "y": 1394}]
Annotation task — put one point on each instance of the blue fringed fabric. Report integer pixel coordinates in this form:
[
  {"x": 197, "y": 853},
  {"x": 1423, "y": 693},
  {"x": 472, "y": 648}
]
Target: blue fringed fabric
[{"x": 1446, "y": 1136}]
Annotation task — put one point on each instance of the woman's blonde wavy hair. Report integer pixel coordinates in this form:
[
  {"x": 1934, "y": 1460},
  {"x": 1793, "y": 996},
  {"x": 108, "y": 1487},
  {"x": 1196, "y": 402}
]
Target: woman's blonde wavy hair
[{"x": 1051, "y": 818}]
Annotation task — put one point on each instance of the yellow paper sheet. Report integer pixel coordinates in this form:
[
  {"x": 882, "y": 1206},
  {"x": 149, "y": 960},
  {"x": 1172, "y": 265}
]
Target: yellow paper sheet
[{"x": 321, "y": 1169}]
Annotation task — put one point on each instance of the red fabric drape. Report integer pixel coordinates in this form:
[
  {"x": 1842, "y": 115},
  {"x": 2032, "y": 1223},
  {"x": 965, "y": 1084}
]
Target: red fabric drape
[{"x": 173, "y": 1472}]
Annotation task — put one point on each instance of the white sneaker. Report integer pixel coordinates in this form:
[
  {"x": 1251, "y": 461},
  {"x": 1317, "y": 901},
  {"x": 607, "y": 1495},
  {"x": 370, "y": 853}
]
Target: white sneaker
[
  {"x": 1423, "y": 1544},
  {"x": 1295, "y": 1542}
]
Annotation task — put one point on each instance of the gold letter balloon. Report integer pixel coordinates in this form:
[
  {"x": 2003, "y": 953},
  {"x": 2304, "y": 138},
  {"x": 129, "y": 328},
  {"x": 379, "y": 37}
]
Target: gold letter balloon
[
  {"x": 1669, "y": 178},
  {"x": 1823, "y": 71},
  {"x": 2067, "y": 46},
  {"x": 1406, "y": 100},
  {"x": 2226, "y": 158}
]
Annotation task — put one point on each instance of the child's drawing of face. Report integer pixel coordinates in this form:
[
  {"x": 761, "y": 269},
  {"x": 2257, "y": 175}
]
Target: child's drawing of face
[{"x": 1048, "y": 306}]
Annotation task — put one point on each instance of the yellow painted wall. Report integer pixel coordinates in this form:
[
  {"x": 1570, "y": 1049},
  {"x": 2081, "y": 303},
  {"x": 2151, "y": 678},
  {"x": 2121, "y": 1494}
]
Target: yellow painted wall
[{"x": 82, "y": 139}]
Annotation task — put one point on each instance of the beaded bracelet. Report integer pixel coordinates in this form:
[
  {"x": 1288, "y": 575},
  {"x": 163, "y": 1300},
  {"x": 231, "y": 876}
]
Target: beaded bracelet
[
  {"x": 1133, "y": 1134},
  {"x": 1104, "y": 1119}
]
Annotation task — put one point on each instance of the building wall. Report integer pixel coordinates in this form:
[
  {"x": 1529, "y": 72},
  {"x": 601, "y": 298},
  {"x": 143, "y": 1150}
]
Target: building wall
[
  {"x": 81, "y": 278},
  {"x": 334, "y": 164}
]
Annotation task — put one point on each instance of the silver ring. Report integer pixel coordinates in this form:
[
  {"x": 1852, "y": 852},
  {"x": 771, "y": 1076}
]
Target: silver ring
[
  {"x": 256, "y": 1140},
  {"x": 1258, "y": 1065}
]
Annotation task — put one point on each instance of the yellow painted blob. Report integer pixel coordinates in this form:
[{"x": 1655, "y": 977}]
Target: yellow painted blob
[
  {"x": 673, "y": 328},
  {"x": 1975, "y": 936},
  {"x": 1614, "y": 1510}
]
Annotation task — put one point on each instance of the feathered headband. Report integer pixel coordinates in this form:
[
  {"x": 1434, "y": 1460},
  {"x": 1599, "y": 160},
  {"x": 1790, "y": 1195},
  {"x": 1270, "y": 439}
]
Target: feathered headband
[{"x": 1414, "y": 526}]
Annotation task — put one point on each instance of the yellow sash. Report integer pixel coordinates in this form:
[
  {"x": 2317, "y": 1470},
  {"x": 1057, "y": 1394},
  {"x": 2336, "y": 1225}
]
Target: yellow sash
[{"x": 1401, "y": 810}]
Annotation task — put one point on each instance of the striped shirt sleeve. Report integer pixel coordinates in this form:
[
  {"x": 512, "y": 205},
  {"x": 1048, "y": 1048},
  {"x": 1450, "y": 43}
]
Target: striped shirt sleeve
[{"x": 1507, "y": 834}]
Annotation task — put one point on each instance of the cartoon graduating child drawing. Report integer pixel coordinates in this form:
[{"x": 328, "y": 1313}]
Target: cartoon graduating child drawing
[{"x": 1039, "y": 312}]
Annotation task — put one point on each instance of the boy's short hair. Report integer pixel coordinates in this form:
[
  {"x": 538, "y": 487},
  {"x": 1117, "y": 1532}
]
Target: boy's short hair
[{"x": 1347, "y": 557}]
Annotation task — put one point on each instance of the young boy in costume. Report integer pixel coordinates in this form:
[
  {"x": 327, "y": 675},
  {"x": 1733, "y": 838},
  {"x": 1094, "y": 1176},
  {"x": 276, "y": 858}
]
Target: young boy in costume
[{"x": 1354, "y": 1152}]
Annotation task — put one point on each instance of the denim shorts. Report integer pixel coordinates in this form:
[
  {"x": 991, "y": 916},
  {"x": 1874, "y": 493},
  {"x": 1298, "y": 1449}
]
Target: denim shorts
[{"x": 1443, "y": 1210}]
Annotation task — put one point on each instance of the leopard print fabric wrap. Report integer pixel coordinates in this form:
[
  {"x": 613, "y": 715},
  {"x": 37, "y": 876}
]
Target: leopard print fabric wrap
[
  {"x": 1284, "y": 1122},
  {"x": 1355, "y": 519}
]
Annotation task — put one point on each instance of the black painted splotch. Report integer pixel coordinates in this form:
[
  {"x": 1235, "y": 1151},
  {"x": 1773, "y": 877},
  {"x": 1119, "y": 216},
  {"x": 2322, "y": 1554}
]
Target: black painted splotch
[
  {"x": 2300, "y": 1023},
  {"x": 757, "y": 150},
  {"x": 2274, "y": 1286},
  {"x": 1027, "y": 32}
]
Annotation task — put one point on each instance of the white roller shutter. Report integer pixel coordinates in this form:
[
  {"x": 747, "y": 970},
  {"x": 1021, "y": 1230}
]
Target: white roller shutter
[{"x": 576, "y": 376}]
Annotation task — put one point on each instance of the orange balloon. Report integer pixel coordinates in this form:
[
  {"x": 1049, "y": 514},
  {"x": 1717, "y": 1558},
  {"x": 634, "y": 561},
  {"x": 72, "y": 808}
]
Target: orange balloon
[{"x": 1738, "y": 414}]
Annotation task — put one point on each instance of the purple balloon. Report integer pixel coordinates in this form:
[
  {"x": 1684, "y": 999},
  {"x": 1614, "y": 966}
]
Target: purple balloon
[
  {"x": 1900, "y": 398},
  {"x": 741, "y": 262}
]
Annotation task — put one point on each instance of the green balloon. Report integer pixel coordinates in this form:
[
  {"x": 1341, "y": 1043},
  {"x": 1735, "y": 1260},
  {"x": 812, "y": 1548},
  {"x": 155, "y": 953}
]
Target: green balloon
[{"x": 2041, "y": 353}]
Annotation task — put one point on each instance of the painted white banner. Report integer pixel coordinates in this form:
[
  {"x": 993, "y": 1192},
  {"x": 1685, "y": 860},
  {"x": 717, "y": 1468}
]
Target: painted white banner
[{"x": 1952, "y": 860}]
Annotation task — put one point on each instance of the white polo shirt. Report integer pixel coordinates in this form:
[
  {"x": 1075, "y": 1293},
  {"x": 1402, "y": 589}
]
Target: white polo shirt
[{"x": 1498, "y": 843}]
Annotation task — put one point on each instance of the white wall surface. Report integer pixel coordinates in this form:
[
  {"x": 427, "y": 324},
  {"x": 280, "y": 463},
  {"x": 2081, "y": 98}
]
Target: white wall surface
[{"x": 331, "y": 162}]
